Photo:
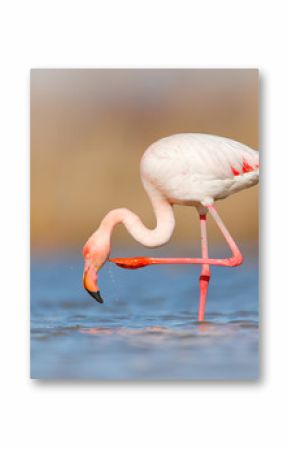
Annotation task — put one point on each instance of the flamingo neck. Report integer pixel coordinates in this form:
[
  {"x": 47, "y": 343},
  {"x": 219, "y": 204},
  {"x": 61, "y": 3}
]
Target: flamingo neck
[{"x": 158, "y": 236}]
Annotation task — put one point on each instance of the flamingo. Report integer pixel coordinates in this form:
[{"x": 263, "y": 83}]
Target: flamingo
[{"x": 188, "y": 169}]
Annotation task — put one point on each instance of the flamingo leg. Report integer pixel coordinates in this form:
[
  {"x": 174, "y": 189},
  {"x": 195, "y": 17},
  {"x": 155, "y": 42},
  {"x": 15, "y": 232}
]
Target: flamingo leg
[
  {"x": 234, "y": 261},
  {"x": 205, "y": 271}
]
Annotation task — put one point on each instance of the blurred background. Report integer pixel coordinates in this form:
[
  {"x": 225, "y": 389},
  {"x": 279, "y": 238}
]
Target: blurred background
[{"x": 89, "y": 129}]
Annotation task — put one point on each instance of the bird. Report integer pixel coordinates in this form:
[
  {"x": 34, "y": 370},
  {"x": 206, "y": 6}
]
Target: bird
[{"x": 188, "y": 169}]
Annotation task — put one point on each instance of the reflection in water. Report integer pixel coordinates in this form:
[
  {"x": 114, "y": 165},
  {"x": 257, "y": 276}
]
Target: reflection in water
[{"x": 137, "y": 335}]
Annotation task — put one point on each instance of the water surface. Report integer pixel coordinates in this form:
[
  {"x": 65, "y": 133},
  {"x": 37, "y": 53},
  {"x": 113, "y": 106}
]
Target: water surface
[{"x": 146, "y": 329}]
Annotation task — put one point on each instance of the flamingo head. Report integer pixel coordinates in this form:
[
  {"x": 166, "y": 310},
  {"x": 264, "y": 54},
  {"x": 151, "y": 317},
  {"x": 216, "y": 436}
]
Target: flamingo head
[{"x": 95, "y": 254}]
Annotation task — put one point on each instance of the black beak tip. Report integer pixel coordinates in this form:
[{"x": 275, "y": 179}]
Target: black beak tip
[{"x": 96, "y": 296}]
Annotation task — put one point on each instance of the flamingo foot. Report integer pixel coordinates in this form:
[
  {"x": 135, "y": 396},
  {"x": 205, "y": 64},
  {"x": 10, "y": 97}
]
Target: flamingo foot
[{"x": 131, "y": 263}]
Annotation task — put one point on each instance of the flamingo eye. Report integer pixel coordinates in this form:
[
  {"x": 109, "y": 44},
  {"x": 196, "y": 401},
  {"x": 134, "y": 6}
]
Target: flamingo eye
[{"x": 86, "y": 252}]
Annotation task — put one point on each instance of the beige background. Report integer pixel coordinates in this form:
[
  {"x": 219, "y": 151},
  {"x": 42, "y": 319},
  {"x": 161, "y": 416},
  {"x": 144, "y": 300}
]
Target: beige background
[{"x": 89, "y": 129}]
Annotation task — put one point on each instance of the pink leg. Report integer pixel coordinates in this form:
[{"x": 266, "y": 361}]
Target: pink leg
[
  {"x": 205, "y": 271},
  {"x": 234, "y": 261}
]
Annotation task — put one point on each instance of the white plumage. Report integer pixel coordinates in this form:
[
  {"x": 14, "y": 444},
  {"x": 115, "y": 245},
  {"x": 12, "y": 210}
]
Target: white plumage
[{"x": 199, "y": 168}]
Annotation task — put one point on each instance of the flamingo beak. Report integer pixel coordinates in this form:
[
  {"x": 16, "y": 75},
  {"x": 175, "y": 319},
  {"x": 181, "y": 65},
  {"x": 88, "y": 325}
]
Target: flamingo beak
[{"x": 90, "y": 282}]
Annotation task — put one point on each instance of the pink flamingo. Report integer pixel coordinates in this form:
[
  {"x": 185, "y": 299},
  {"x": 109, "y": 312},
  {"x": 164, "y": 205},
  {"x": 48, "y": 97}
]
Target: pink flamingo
[{"x": 185, "y": 169}]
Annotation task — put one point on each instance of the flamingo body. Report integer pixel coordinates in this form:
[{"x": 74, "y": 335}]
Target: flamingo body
[
  {"x": 192, "y": 169},
  {"x": 187, "y": 169}
]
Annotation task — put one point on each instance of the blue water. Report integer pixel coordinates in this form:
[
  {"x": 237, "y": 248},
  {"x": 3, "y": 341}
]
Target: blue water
[{"x": 146, "y": 329}]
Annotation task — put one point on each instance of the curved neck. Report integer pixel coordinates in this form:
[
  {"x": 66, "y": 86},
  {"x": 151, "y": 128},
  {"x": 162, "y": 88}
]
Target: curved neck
[{"x": 158, "y": 236}]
